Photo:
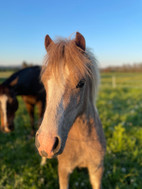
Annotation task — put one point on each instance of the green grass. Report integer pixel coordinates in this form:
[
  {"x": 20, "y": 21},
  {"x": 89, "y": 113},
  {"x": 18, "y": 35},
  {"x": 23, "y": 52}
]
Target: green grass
[
  {"x": 4, "y": 75},
  {"x": 120, "y": 111},
  {"x": 121, "y": 115}
]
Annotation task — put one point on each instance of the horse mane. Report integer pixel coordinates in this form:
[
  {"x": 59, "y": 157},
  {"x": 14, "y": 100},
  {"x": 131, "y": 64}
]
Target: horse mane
[{"x": 62, "y": 53}]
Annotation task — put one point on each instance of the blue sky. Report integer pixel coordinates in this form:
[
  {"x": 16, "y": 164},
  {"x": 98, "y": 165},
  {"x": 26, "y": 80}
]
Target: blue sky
[{"x": 112, "y": 28}]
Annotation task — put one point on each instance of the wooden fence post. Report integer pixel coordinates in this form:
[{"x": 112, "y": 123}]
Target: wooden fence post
[{"x": 113, "y": 82}]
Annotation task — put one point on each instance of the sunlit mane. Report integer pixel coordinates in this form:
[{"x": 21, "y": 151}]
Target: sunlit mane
[{"x": 64, "y": 53}]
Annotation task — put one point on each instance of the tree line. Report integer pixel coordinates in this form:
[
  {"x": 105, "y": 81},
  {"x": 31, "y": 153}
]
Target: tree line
[
  {"x": 15, "y": 68},
  {"x": 136, "y": 67}
]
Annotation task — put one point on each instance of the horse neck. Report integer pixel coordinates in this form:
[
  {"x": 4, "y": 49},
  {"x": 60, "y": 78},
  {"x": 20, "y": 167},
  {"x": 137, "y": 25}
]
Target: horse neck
[{"x": 84, "y": 126}]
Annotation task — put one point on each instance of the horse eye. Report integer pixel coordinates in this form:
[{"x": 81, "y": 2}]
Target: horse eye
[{"x": 81, "y": 83}]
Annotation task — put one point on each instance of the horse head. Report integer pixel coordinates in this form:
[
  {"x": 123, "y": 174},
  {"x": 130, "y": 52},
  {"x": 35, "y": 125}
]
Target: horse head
[
  {"x": 8, "y": 107},
  {"x": 65, "y": 75}
]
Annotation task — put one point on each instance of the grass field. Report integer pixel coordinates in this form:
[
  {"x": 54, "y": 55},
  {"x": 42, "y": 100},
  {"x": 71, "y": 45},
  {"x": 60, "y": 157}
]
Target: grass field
[
  {"x": 4, "y": 75},
  {"x": 120, "y": 111},
  {"x": 129, "y": 80}
]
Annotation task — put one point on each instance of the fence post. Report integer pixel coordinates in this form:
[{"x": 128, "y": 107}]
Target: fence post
[{"x": 113, "y": 81}]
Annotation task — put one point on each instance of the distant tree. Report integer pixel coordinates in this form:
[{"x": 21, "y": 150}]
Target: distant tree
[
  {"x": 25, "y": 64},
  {"x": 136, "y": 67}
]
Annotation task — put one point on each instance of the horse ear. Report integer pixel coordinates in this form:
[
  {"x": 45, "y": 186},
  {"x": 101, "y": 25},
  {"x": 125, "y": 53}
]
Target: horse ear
[
  {"x": 47, "y": 41},
  {"x": 80, "y": 41}
]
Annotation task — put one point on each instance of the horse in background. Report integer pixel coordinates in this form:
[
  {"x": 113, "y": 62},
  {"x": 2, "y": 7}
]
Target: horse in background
[
  {"x": 27, "y": 84},
  {"x": 71, "y": 128}
]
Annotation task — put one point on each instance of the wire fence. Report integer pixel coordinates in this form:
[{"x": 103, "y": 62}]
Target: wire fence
[{"x": 108, "y": 80}]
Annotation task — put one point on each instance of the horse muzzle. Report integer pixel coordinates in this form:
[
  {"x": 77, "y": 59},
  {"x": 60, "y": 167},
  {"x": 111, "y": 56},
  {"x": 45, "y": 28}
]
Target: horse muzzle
[{"x": 48, "y": 145}]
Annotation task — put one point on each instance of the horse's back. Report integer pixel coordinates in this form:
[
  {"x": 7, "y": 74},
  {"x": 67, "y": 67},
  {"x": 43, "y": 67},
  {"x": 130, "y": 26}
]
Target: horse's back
[{"x": 27, "y": 81}]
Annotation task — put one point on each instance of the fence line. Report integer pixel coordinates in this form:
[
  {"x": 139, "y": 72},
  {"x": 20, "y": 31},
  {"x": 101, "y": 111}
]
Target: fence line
[
  {"x": 113, "y": 81},
  {"x": 121, "y": 81}
]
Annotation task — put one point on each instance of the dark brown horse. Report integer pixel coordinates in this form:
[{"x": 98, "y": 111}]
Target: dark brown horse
[
  {"x": 27, "y": 84},
  {"x": 71, "y": 127}
]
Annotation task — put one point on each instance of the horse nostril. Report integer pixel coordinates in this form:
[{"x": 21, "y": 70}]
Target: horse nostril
[
  {"x": 56, "y": 145},
  {"x": 37, "y": 133}
]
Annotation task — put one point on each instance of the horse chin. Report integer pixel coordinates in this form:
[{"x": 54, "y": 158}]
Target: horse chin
[
  {"x": 9, "y": 128},
  {"x": 6, "y": 130}
]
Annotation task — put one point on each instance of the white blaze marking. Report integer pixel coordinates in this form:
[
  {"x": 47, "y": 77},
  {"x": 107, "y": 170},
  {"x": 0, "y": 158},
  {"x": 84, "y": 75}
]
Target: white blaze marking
[
  {"x": 50, "y": 89},
  {"x": 54, "y": 91},
  {"x": 54, "y": 95},
  {"x": 3, "y": 101}
]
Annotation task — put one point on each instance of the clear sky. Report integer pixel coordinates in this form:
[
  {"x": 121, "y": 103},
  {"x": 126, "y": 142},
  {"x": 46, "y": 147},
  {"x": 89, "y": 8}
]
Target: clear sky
[{"x": 112, "y": 28}]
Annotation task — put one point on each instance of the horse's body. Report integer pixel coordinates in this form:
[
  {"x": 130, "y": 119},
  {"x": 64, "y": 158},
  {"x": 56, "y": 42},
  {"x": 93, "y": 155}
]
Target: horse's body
[
  {"x": 71, "y": 127},
  {"x": 27, "y": 84}
]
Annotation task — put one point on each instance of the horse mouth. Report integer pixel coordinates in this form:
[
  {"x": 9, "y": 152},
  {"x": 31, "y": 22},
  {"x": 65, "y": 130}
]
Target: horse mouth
[
  {"x": 5, "y": 129},
  {"x": 52, "y": 154}
]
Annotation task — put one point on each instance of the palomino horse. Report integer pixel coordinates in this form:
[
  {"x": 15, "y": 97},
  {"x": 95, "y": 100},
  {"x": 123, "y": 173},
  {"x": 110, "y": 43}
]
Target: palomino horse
[
  {"x": 26, "y": 83},
  {"x": 71, "y": 127}
]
